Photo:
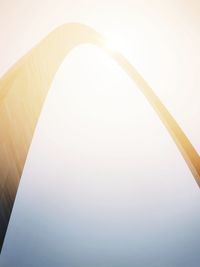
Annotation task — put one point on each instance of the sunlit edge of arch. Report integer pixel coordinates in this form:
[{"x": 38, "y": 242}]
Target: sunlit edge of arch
[{"x": 23, "y": 90}]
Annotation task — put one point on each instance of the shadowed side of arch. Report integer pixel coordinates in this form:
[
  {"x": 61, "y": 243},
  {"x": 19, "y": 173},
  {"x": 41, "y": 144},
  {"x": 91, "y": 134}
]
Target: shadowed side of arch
[{"x": 23, "y": 90}]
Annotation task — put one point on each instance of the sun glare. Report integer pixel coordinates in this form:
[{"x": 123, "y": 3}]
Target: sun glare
[{"x": 116, "y": 44}]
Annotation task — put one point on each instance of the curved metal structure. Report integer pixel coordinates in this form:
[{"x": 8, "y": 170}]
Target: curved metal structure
[{"x": 23, "y": 90}]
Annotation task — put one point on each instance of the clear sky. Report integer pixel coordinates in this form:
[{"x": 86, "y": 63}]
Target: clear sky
[{"x": 104, "y": 184}]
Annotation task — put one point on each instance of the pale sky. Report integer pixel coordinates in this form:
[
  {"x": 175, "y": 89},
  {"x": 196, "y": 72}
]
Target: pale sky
[{"x": 104, "y": 184}]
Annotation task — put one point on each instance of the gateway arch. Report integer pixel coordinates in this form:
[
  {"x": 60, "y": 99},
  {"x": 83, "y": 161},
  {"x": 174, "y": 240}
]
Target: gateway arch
[{"x": 23, "y": 90}]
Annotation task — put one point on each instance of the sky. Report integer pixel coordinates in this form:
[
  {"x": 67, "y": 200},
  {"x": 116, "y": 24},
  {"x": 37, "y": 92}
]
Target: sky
[{"x": 104, "y": 184}]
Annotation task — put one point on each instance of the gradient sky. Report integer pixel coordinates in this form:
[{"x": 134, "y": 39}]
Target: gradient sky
[{"x": 104, "y": 184}]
